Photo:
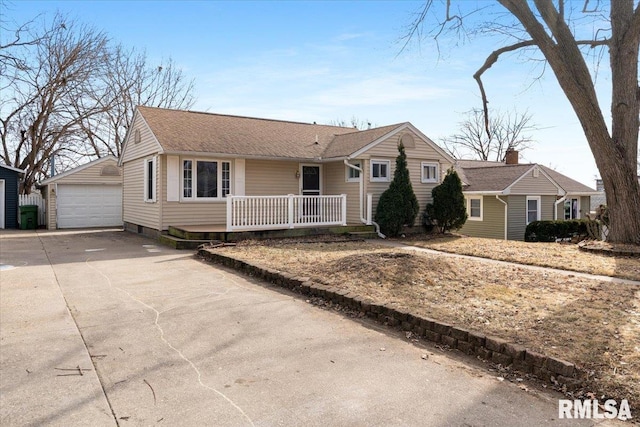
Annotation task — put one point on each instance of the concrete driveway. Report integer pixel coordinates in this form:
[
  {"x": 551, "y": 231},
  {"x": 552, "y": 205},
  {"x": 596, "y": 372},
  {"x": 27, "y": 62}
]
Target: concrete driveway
[{"x": 108, "y": 328}]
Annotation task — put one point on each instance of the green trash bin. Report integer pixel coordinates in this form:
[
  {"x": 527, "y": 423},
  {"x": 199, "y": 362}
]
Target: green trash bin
[{"x": 28, "y": 217}]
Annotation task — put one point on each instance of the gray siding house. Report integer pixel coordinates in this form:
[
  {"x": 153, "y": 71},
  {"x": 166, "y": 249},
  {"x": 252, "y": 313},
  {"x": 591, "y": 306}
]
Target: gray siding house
[{"x": 503, "y": 198}]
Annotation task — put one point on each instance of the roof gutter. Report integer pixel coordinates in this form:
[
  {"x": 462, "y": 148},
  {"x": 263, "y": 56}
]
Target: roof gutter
[
  {"x": 362, "y": 218},
  {"x": 485, "y": 193}
]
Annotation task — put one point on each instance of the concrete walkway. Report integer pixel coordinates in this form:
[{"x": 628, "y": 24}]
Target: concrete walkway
[
  {"x": 400, "y": 245},
  {"x": 175, "y": 341}
]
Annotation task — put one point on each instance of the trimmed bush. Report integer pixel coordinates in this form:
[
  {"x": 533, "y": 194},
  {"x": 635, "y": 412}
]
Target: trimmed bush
[
  {"x": 448, "y": 209},
  {"x": 550, "y": 231},
  {"x": 398, "y": 205}
]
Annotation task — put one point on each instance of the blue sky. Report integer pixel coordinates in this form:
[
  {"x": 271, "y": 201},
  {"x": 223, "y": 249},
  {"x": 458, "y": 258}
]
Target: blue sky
[{"x": 328, "y": 61}]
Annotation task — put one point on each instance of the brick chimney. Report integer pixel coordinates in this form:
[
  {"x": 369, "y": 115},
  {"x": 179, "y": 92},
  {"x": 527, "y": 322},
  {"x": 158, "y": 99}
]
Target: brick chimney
[{"x": 511, "y": 157}]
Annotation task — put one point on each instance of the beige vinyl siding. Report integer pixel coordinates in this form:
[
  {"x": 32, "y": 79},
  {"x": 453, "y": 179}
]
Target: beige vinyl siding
[
  {"x": 517, "y": 217},
  {"x": 270, "y": 177},
  {"x": 492, "y": 224},
  {"x": 335, "y": 183},
  {"x": 147, "y": 145},
  {"x": 51, "y": 207},
  {"x": 530, "y": 185},
  {"x": 189, "y": 212},
  {"x": 135, "y": 209},
  {"x": 93, "y": 175},
  {"x": 388, "y": 150}
]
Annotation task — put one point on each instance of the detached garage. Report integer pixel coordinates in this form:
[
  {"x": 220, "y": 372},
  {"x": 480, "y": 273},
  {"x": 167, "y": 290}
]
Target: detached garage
[{"x": 87, "y": 196}]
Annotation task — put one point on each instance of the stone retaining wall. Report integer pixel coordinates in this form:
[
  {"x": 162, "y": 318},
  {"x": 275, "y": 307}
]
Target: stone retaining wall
[{"x": 493, "y": 349}]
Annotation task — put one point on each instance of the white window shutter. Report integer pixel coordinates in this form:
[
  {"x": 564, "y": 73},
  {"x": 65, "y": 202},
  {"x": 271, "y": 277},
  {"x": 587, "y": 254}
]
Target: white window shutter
[
  {"x": 238, "y": 177},
  {"x": 173, "y": 178}
]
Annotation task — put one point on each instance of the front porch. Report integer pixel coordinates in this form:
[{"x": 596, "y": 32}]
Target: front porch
[{"x": 279, "y": 216}]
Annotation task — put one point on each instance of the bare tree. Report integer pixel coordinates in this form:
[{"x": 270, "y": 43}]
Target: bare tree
[
  {"x": 69, "y": 93},
  {"x": 49, "y": 94},
  {"x": 556, "y": 33},
  {"x": 507, "y": 131},
  {"x": 355, "y": 123},
  {"x": 134, "y": 82}
]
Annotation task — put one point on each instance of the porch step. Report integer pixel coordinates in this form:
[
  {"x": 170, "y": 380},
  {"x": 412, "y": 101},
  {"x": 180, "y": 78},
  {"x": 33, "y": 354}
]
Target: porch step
[
  {"x": 196, "y": 235},
  {"x": 364, "y": 234},
  {"x": 179, "y": 243},
  {"x": 181, "y": 238}
]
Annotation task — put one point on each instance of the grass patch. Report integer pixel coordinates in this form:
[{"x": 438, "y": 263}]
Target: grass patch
[{"x": 555, "y": 255}]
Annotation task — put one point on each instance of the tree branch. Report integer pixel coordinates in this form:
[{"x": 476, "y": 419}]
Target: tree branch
[{"x": 492, "y": 59}]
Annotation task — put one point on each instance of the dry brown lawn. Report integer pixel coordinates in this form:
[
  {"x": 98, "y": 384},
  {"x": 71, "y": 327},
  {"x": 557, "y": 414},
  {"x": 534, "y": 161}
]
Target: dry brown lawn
[
  {"x": 555, "y": 255},
  {"x": 592, "y": 323}
]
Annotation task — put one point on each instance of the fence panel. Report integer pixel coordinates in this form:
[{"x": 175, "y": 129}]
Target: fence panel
[{"x": 35, "y": 199}]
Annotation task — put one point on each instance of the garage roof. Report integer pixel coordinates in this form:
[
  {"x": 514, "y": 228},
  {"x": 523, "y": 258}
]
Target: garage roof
[{"x": 77, "y": 169}]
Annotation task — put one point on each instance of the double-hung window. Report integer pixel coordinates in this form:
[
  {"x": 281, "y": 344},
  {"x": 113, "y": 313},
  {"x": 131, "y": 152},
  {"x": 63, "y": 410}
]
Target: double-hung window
[
  {"x": 533, "y": 209},
  {"x": 380, "y": 170},
  {"x": 353, "y": 175},
  {"x": 205, "y": 179},
  {"x": 430, "y": 172},
  {"x": 474, "y": 208}
]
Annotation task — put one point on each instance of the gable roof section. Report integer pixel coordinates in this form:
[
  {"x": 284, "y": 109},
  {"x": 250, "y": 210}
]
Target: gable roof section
[
  {"x": 496, "y": 177},
  {"x": 493, "y": 178},
  {"x": 11, "y": 168},
  {"x": 347, "y": 144},
  {"x": 394, "y": 129},
  {"x": 78, "y": 169},
  {"x": 187, "y": 131}
]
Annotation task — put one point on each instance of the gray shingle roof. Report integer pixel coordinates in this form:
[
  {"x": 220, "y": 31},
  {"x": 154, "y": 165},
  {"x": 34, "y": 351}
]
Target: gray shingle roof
[
  {"x": 569, "y": 185},
  {"x": 496, "y": 176},
  {"x": 189, "y": 131},
  {"x": 493, "y": 178}
]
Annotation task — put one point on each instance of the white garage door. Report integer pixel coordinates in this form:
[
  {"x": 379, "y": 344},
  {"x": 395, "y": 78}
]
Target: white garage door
[{"x": 89, "y": 206}]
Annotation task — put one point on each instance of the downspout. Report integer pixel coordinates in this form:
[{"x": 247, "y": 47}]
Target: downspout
[
  {"x": 555, "y": 207},
  {"x": 506, "y": 215},
  {"x": 362, "y": 218}
]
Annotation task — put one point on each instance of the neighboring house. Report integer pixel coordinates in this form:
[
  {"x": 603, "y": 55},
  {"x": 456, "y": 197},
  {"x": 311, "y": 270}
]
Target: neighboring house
[
  {"x": 186, "y": 168},
  {"x": 9, "y": 187},
  {"x": 600, "y": 198},
  {"x": 503, "y": 198},
  {"x": 87, "y": 196}
]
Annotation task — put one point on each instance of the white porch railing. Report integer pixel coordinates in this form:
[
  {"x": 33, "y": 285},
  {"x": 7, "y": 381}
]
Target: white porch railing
[{"x": 290, "y": 211}]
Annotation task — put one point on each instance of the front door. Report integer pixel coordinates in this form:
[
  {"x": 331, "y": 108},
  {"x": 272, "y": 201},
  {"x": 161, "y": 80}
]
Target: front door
[{"x": 310, "y": 187}]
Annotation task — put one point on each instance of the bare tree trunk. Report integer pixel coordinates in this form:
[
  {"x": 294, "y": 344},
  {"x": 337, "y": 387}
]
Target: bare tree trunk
[
  {"x": 619, "y": 167},
  {"x": 615, "y": 154}
]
